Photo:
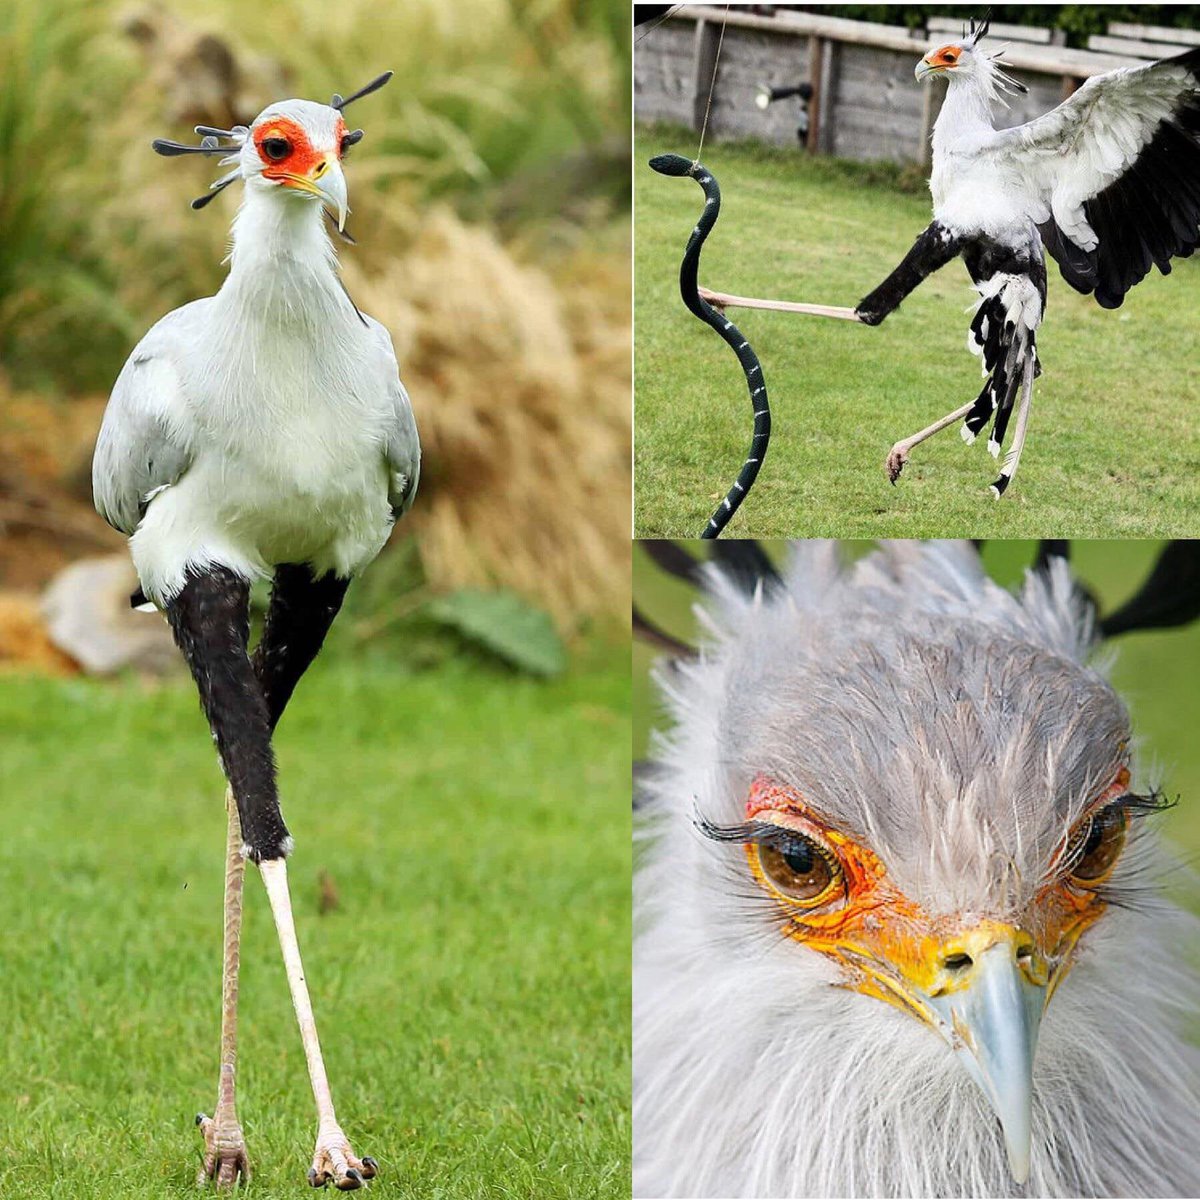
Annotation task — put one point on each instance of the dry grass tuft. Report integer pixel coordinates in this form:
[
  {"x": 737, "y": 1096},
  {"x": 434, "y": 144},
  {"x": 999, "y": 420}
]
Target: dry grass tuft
[{"x": 521, "y": 391}]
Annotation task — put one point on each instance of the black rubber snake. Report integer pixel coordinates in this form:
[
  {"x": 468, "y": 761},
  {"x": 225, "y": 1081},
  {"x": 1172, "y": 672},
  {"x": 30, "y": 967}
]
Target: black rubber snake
[{"x": 676, "y": 164}]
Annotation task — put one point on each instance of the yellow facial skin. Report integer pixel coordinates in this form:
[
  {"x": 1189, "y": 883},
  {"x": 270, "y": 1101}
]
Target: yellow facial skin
[{"x": 891, "y": 948}]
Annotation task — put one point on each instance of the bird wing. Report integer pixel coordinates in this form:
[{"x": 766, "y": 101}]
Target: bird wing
[
  {"x": 402, "y": 445},
  {"x": 1116, "y": 174},
  {"x": 143, "y": 444}
]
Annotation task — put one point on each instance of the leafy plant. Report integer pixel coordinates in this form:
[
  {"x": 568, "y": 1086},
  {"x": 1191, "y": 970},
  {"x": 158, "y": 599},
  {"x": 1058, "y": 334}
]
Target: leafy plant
[{"x": 507, "y": 626}]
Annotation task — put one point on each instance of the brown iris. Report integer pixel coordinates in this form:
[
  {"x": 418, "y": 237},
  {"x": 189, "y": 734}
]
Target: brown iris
[
  {"x": 798, "y": 867},
  {"x": 1096, "y": 844}
]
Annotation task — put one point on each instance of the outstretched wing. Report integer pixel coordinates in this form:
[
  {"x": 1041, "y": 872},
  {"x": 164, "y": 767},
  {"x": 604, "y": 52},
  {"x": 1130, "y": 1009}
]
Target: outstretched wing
[
  {"x": 1116, "y": 172},
  {"x": 143, "y": 444},
  {"x": 402, "y": 447}
]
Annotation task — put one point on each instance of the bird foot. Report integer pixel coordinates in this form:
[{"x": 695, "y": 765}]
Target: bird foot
[
  {"x": 334, "y": 1160},
  {"x": 896, "y": 460},
  {"x": 225, "y": 1158}
]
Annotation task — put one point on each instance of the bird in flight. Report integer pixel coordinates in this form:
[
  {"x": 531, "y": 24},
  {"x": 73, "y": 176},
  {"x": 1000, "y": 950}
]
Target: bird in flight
[
  {"x": 899, "y": 922},
  {"x": 261, "y": 433},
  {"x": 1108, "y": 183}
]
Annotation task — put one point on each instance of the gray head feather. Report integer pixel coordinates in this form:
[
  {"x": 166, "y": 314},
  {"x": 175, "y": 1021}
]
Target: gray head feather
[{"x": 959, "y": 731}]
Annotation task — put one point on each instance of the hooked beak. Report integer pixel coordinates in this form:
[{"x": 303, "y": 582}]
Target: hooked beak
[
  {"x": 327, "y": 182},
  {"x": 925, "y": 68},
  {"x": 988, "y": 1008}
]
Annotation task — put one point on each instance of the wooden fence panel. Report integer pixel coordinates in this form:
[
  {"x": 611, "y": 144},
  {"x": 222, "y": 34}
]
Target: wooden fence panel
[{"x": 867, "y": 104}]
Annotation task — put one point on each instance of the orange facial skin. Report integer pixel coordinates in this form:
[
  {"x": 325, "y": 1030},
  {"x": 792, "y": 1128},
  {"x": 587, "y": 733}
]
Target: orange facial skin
[
  {"x": 1068, "y": 909},
  {"x": 888, "y": 945},
  {"x": 944, "y": 58},
  {"x": 303, "y": 162}
]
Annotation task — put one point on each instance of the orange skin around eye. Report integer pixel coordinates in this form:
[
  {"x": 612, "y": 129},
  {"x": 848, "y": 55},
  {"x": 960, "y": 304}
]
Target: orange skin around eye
[
  {"x": 303, "y": 160},
  {"x": 947, "y": 56},
  {"x": 1068, "y": 909},
  {"x": 881, "y": 937}
]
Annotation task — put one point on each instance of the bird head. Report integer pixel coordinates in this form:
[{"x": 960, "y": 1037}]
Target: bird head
[
  {"x": 964, "y": 60},
  {"x": 898, "y": 851},
  {"x": 294, "y": 147}
]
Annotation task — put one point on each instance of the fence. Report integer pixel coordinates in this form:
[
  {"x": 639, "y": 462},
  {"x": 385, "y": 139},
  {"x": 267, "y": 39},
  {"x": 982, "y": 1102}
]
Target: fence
[{"x": 865, "y": 103}]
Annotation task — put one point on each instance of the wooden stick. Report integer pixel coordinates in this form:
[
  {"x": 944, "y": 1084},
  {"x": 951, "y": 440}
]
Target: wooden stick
[{"x": 721, "y": 300}]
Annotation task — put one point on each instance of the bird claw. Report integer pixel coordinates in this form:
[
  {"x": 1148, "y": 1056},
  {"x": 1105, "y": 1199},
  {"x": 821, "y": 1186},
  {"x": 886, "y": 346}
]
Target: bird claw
[
  {"x": 225, "y": 1159},
  {"x": 334, "y": 1161},
  {"x": 895, "y": 462}
]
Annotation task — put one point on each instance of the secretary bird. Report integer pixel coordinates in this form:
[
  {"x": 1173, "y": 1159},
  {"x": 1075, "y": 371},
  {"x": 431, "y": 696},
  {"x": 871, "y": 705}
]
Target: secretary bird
[
  {"x": 899, "y": 930},
  {"x": 261, "y": 433},
  {"x": 1108, "y": 183}
]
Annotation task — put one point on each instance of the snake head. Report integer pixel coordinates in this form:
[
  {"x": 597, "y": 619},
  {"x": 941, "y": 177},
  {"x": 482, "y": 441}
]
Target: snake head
[{"x": 671, "y": 164}]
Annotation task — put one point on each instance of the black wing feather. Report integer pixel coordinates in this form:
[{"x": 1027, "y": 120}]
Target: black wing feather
[{"x": 1145, "y": 217}]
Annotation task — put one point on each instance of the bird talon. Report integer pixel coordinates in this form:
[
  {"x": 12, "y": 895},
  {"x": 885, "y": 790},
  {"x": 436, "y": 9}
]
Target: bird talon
[
  {"x": 334, "y": 1160},
  {"x": 225, "y": 1158}
]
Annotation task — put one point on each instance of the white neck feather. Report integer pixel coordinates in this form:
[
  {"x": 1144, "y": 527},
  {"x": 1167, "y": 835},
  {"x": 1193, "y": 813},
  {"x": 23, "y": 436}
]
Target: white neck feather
[
  {"x": 282, "y": 265},
  {"x": 966, "y": 115},
  {"x": 754, "y": 1077}
]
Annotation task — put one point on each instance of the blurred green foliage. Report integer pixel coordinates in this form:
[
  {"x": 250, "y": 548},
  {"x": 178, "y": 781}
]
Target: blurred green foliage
[{"x": 516, "y": 110}]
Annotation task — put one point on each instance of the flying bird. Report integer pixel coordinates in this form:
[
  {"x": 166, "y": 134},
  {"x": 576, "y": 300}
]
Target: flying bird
[
  {"x": 899, "y": 926},
  {"x": 1108, "y": 183},
  {"x": 261, "y": 433}
]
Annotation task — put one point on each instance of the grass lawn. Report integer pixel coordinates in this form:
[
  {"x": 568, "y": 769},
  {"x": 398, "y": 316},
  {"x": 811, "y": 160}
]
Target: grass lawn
[
  {"x": 471, "y": 988},
  {"x": 1114, "y": 439}
]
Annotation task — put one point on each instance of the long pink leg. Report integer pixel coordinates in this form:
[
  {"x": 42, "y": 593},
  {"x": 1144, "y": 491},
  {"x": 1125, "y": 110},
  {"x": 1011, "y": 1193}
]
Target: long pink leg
[
  {"x": 225, "y": 1148},
  {"x": 900, "y": 451},
  {"x": 333, "y": 1157}
]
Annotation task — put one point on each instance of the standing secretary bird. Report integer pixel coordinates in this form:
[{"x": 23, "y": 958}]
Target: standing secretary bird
[
  {"x": 899, "y": 922},
  {"x": 1108, "y": 183},
  {"x": 261, "y": 432}
]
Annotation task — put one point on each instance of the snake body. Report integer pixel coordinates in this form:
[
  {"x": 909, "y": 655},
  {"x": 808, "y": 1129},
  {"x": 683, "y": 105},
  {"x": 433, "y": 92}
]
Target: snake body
[{"x": 676, "y": 164}]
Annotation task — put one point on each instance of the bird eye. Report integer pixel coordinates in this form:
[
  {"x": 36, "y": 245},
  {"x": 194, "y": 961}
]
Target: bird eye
[
  {"x": 276, "y": 148},
  {"x": 799, "y": 868},
  {"x": 1096, "y": 843}
]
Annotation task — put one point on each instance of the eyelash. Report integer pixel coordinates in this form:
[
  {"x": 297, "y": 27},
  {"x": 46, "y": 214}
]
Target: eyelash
[
  {"x": 765, "y": 833},
  {"x": 747, "y": 833},
  {"x": 1133, "y": 805}
]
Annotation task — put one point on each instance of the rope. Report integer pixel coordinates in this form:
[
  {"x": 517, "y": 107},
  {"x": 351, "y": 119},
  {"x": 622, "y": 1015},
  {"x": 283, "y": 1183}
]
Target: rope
[
  {"x": 712, "y": 83},
  {"x": 661, "y": 20}
]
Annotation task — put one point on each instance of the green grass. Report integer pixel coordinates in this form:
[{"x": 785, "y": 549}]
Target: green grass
[
  {"x": 1155, "y": 670},
  {"x": 472, "y": 989},
  {"x": 1114, "y": 444}
]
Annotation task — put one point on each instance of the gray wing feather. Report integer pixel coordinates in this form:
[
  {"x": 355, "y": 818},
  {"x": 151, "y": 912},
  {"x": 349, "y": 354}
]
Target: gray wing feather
[
  {"x": 403, "y": 446},
  {"x": 142, "y": 444}
]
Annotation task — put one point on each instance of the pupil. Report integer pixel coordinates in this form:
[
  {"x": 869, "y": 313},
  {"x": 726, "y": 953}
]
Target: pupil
[
  {"x": 799, "y": 858},
  {"x": 1094, "y": 837}
]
